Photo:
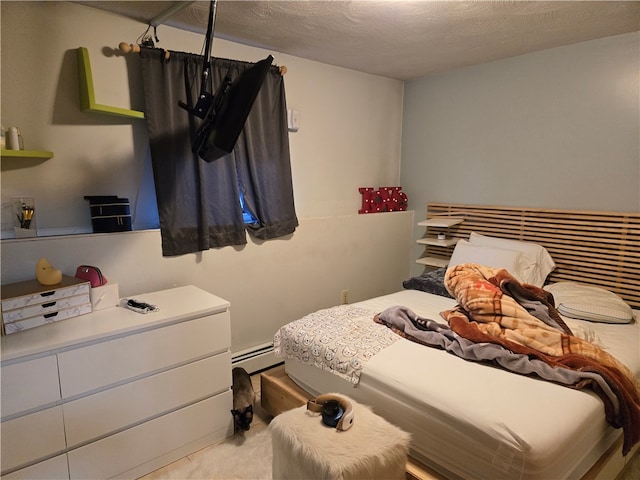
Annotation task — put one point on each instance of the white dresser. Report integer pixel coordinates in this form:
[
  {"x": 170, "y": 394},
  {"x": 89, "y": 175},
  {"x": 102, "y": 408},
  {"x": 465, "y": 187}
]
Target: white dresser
[{"x": 115, "y": 392}]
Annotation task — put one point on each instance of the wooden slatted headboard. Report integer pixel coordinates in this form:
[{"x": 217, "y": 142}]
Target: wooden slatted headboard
[{"x": 597, "y": 248}]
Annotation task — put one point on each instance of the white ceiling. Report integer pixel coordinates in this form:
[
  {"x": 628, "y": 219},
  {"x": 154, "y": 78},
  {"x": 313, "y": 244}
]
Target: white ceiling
[{"x": 394, "y": 38}]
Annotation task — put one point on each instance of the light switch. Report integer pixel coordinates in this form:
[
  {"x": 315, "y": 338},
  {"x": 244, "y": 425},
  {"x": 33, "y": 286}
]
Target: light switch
[{"x": 293, "y": 120}]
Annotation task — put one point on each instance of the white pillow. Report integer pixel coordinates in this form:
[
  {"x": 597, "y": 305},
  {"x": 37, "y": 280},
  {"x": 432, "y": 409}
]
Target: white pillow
[
  {"x": 511, "y": 260},
  {"x": 587, "y": 302},
  {"x": 540, "y": 263}
]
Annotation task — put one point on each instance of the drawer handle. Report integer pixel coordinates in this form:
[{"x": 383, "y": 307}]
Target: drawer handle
[
  {"x": 47, "y": 294},
  {"x": 50, "y": 315},
  {"x": 47, "y": 305}
]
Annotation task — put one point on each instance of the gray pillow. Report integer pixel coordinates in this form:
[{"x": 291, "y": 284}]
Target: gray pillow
[{"x": 430, "y": 282}]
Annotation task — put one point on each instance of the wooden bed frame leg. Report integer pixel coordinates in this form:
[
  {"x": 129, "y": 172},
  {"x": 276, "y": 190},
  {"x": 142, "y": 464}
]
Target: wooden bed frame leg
[{"x": 278, "y": 393}]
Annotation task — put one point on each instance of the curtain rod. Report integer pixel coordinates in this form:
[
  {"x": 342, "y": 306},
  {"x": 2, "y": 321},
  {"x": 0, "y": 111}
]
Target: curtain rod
[{"x": 132, "y": 47}]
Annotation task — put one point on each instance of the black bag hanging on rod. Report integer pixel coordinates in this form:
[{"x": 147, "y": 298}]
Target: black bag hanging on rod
[{"x": 225, "y": 112}]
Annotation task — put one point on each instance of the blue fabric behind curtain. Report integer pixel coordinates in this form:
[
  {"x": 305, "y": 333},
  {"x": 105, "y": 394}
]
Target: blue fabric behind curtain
[{"x": 199, "y": 202}]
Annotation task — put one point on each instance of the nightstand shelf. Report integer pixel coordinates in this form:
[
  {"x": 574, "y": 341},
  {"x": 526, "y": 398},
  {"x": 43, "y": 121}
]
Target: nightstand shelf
[
  {"x": 439, "y": 222},
  {"x": 442, "y": 224},
  {"x": 433, "y": 261},
  {"x": 447, "y": 242}
]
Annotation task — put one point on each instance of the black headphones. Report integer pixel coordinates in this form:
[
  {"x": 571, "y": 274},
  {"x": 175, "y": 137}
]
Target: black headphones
[{"x": 336, "y": 410}]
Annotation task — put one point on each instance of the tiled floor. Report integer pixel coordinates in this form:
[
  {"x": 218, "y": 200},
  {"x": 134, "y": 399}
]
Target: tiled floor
[{"x": 260, "y": 421}]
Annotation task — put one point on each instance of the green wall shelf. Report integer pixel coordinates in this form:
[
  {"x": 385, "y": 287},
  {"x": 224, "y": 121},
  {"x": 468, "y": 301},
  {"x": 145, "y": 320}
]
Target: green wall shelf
[
  {"x": 41, "y": 154},
  {"x": 87, "y": 93}
]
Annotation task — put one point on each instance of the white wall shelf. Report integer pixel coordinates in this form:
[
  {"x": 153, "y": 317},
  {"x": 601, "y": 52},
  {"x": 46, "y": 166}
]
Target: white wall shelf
[{"x": 442, "y": 224}]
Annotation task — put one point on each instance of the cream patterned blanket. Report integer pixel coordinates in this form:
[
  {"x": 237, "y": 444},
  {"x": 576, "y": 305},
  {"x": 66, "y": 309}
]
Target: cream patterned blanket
[{"x": 339, "y": 340}]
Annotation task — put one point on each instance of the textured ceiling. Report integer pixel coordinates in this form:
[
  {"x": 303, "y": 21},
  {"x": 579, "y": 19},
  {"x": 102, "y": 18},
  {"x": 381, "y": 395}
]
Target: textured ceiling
[{"x": 395, "y": 38}]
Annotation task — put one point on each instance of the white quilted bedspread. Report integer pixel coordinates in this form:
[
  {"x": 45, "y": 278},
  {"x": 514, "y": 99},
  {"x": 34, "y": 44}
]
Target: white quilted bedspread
[{"x": 339, "y": 340}]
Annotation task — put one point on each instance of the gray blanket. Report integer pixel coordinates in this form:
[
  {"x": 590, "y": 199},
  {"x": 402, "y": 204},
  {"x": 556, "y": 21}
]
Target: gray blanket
[{"x": 428, "y": 332}]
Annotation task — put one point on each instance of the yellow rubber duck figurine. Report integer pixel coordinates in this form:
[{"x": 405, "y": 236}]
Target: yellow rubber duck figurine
[{"x": 46, "y": 274}]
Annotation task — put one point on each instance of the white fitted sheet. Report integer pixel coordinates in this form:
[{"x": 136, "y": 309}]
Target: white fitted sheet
[{"x": 474, "y": 421}]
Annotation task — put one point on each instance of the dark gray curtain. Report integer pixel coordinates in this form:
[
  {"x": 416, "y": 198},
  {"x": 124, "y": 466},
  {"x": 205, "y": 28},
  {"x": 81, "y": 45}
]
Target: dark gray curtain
[{"x": 199, "y": 202}]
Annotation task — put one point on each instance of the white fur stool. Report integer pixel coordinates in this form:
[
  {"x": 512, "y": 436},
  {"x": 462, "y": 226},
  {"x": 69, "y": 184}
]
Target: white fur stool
[{"x": 305, "y": 448}]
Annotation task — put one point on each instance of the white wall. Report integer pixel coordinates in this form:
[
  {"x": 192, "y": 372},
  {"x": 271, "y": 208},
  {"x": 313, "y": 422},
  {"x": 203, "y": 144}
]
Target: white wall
[
  {"x": 267, "y": 284},
  {"x": 554, "y": 129},
  {"x": 349, "y": 137}
]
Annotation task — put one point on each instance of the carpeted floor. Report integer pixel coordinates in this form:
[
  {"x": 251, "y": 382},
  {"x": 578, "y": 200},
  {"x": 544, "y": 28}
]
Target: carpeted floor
[
  {"x": 241, "y": 457},
  {"x": 245, "y": 456},
  {"x": 248, "y": 457}
]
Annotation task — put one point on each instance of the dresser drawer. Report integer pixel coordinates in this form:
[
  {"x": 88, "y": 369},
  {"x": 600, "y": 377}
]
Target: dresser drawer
[
  {"x": 24, "y": 294},
  {"x": 131, "y": 448},
  {"x": 83, "y": 369},
  {"x": 55, "y": 468},
  {"x": 102, "y": 413},
  {"x": 29, "y": 384},
  {"x": 45, "y": 308},
  {"x": 46, "y": 318},
  {"x": 32, "y": 437}
]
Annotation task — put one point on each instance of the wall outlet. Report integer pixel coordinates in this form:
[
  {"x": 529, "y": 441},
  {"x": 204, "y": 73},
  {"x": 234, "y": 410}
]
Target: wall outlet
[{"x": 345, "y": 297}]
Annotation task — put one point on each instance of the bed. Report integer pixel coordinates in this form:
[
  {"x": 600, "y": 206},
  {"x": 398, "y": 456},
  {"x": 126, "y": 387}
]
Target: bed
[{"x": 469, "y": 419}]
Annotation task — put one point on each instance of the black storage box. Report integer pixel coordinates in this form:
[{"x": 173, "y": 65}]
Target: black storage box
[{"x": 109, "y": 213}]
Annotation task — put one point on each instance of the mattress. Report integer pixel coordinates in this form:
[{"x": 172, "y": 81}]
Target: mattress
[{"x": 475, "y": 421}]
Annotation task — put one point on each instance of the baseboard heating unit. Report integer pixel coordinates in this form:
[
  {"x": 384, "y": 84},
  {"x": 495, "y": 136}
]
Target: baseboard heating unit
[{"x": 256, "y": 358}]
